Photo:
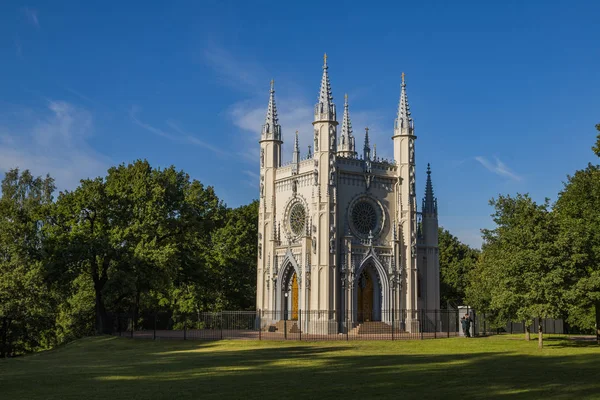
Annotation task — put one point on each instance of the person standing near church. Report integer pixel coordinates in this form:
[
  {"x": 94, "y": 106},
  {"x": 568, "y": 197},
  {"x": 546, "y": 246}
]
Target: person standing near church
[{"x": 467, "y": 325}]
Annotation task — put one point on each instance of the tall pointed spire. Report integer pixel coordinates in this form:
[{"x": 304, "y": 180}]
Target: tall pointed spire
[
  {"x": 296, "y": 155},
  {"x": 346, "y": 144},
  {"x": 325, "y": 109},
  {"x": 404, "y": 122},
  {"x": 271, "y": 128},
  {"x": 367, "y": 147},
  {"x": 429, "y": 202}
]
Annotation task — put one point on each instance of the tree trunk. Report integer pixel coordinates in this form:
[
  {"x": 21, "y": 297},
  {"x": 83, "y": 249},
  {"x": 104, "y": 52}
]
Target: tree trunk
[
  {"x": 540, "y": 335},
  {"x": 101, "y": 317},
  {"x": 528, "y": 333},
  {"x": 598, "y": 322},
  {"x": 3, "y": 343}
]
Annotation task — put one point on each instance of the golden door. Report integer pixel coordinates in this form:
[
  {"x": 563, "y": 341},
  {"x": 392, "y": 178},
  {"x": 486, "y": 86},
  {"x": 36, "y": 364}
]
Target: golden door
[
  {"x": 365, "y": 298},
  {"x": 294, "y": 297}
]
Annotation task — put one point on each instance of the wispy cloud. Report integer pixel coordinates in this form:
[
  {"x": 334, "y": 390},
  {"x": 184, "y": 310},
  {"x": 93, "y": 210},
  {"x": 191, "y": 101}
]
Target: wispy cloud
[
  {"x": 232, "y": 71},
  {"x": 294, "y": 110},
  {"x": 32, "y": 16},
  {"x": 181, "y": 136},
  {"x": 499, "y": 168},
  {"x": 54, "y": 141}
]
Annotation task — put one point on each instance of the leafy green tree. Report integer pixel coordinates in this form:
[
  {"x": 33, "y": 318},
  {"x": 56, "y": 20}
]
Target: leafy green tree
[
  {"x": 520, "y": 266},
  {"x": 26, "y": 302},
  {"x": 596, "y": 147},
  {"x": 456, "y": 261},
  {"x": 578, "y": 210},
  {"x": 234, "y": 252}
]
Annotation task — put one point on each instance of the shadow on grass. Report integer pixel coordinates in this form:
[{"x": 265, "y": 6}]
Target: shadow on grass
[
  {"x": 576, "y": 342},
  {"x": 120, "y": 368}
]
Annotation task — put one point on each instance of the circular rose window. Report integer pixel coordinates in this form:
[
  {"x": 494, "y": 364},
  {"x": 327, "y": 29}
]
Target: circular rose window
[
  {"x": 297, "y": 219},
  {"x": 364, "y": 217}
]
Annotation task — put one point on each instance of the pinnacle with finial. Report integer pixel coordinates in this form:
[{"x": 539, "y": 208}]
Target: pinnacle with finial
[
  {"x": 404, "y": 119},
  {"x": 429, "y": 200},
  {"x": 271, "y": 128}
]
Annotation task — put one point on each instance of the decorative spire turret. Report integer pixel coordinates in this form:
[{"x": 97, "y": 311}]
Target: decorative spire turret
[
  {"x": 346, "y": 145},
  {"x": 374, "y": 151},
  {"x": 271, "y": 129},
  {"x": 429, "y": 202},
  {"x": 367, "y": 147},
  {"x": 404, "y": 124},
  {"x": 296, "y": 155},
  {"x": 325, "y": 109}
]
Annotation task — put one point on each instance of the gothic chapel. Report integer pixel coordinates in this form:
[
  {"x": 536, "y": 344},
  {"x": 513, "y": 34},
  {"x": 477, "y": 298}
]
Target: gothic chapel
[{"x": 340, "y": 239}]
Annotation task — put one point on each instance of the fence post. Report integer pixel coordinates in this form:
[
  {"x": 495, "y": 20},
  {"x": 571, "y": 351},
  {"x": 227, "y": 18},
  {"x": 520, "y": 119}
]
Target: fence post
[
  {"x": 347, "y": 326},
  {"x": 185, "y": 328},
  {"x": 259, "y": 326},
  {"x": 435, "y": 315},
  {"x": 285, "y": 327},
  {"x": 421, "y": 323},
  {"x": 221, "y": 325},
  {"x": 300, "y": 322},
  {"x": 154, "y": 335},
  {"x": 132, "y": 323},
  {"x": 393, "y": 326}
]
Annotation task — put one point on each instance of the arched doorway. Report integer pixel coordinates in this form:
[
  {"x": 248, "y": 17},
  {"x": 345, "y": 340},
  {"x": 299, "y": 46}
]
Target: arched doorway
[
  {"x": 290, "y": 294},
  {"x": 294, "y": 297},
  {"x": 368, "y": 295},
  {"x": 365, "y": 297}
]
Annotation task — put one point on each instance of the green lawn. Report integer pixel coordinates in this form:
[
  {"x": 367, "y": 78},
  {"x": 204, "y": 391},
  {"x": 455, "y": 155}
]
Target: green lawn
[{"x": 111, "y": 368}]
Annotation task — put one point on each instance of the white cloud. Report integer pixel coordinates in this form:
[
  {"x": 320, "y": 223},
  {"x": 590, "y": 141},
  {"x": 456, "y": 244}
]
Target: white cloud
[
  {"x": 32, "y": 16},
  {"x": 53, "y": 141},
  {"x": 294, "y": 110},
  {"x": 230, "y": 70},
  {"x": 181, "y": 136},
  {"x": 499, "y": 168}
]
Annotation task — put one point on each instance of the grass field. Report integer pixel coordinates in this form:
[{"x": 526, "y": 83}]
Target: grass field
[{"x": 112, "y": 368}]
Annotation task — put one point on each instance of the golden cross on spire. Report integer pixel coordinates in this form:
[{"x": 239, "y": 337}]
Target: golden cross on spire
[
  {"x": 325, "y": 59},
  {"x": 346, "y": 97},
  {"x": 403, "y": 77},
  {"x": 272, "y": 83},
  {"x": 367, "y": 130}
]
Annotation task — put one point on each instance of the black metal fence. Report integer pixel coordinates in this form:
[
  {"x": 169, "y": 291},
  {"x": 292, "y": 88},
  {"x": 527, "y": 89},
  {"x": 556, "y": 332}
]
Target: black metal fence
[{"x": 296, "y": 325}]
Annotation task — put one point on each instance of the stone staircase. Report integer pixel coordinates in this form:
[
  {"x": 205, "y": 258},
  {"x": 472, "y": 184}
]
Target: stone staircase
[
  {"x": 373, "y": 328},
  {"x": 292, "y": 327}
]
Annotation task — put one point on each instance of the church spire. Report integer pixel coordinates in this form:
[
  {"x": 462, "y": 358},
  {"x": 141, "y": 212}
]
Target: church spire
[
  {"x": 325, "y": 109},
  {"x": 367, "y": 147},
  {"x": 404, "y": 123},
  {"x": 296, "y": 155},
  {"x": 429, "y": 202},
  {"x": 346, "y": 145},
  {"x": 271, "y": 128}
]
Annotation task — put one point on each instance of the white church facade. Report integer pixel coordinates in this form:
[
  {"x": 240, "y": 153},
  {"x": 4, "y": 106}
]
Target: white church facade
[{"x": 341, "y": 240}]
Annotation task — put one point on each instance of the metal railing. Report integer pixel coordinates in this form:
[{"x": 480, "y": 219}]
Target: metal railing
[{"x": 293, "y": 325}]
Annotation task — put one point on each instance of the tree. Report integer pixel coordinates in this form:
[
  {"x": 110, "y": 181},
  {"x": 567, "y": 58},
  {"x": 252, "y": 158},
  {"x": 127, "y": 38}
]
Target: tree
[
  {"x": 520, "y": 268},
  {"x": 456, "y": 261},
  {"x": 234, "y": 252},
  {"x": 596, "y": 148},
  {"x": 127, "y": 233},
  {"x": 26, "y": 302},
  {"x": 578, "y": 210}
]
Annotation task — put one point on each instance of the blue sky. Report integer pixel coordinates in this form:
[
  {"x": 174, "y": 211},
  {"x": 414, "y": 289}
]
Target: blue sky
[{"x": 504, "y": 94}]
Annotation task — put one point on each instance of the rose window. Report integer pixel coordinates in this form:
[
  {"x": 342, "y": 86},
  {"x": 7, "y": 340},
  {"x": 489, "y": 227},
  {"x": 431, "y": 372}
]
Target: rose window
[
  {"x": 297, "y": 218},
  {"x": 364, "y": 217}
]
